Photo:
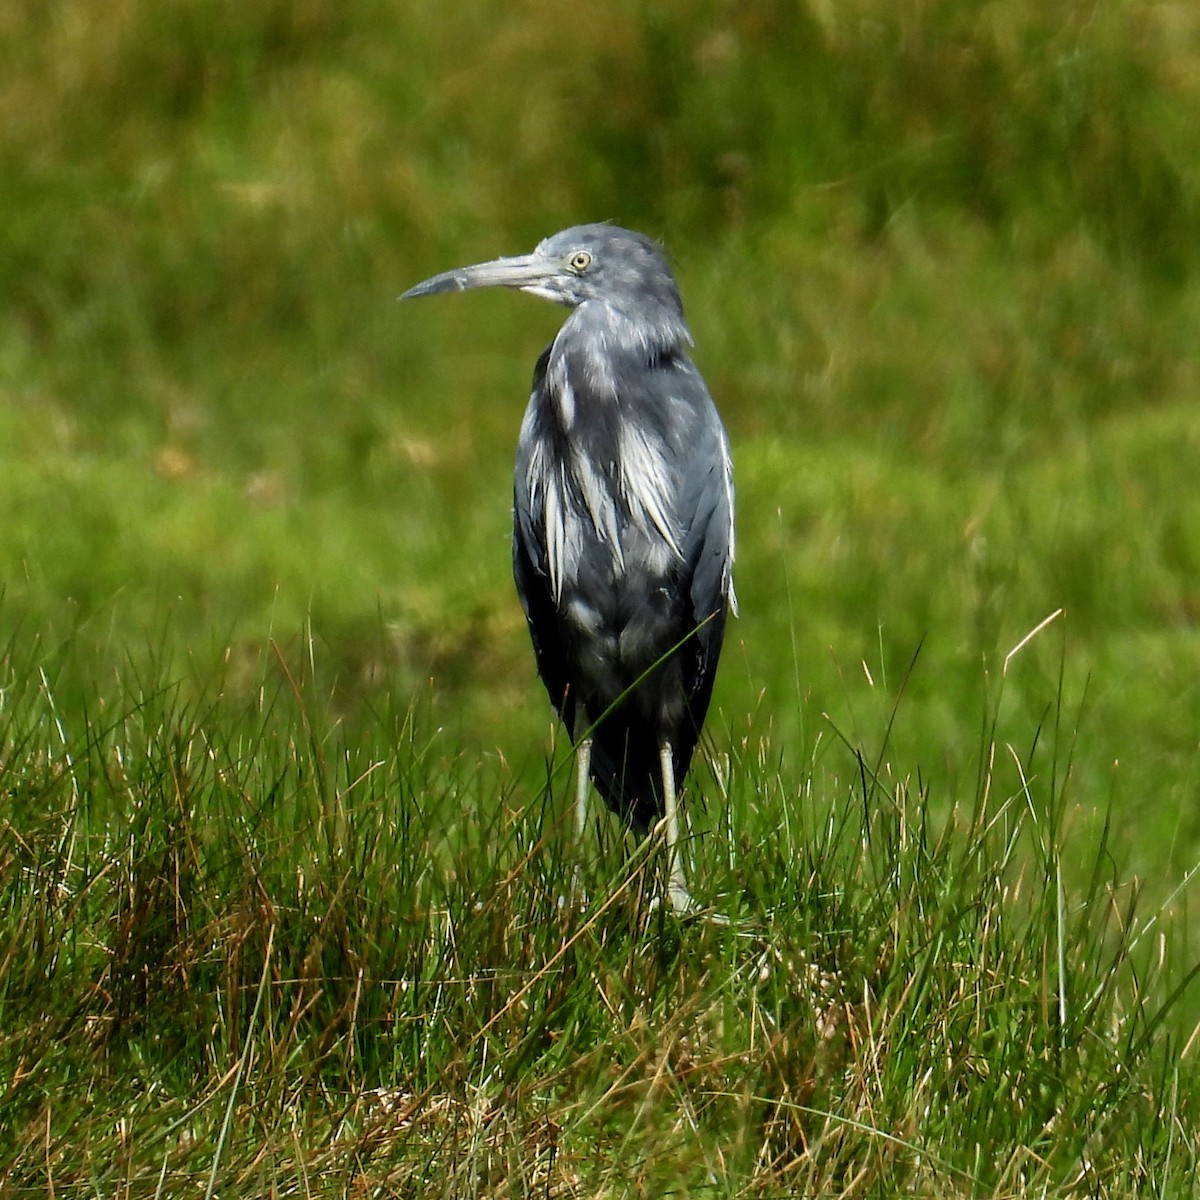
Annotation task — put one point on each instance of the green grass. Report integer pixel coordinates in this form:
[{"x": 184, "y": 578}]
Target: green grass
[
  {"x": 250, "y": 943},
  {"x": 280, "y": 869}
]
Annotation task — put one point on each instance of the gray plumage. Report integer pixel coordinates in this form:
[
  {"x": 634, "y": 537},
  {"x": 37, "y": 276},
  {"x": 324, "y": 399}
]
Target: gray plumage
[{"x": 623, "y": 512}]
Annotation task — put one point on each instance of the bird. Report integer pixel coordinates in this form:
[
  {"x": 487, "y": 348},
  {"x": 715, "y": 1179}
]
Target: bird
[{"x": 623, "y": 531}]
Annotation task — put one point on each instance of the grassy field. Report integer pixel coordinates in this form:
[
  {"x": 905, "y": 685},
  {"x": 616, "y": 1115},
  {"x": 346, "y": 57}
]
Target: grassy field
[{"x": 284, "y": 834}]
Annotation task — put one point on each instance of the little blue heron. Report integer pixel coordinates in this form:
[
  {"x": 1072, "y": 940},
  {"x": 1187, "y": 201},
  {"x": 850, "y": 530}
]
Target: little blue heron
[{"x": 622, "y": 518}]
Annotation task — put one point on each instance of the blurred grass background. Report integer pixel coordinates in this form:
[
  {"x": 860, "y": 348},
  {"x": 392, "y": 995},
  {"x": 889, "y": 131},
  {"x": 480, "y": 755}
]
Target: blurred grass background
[{"x": 940, "y": 258}]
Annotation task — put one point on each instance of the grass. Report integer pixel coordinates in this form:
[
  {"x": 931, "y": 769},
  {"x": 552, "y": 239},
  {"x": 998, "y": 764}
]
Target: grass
[
  {"x": 280, "y": 853},
  {"x": 252, "y": 948}
]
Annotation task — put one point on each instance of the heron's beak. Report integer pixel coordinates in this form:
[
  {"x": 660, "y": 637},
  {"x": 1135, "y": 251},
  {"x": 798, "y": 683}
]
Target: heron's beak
[{"x": 528, "y": 272}]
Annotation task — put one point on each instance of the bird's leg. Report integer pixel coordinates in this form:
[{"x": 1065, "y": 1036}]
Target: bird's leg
[
  {"x": 677, "y": 893},
  {"x": 583, "y": 764}
]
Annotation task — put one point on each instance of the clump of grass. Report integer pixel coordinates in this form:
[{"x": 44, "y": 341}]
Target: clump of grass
[{"x": 248, "y": 946}]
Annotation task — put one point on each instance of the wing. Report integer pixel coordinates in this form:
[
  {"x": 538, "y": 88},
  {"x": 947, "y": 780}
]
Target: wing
[
  {"x": 706, "y": 493},
  {"x": 678, "y": 479},
  {"x": 530, "y": 560}
]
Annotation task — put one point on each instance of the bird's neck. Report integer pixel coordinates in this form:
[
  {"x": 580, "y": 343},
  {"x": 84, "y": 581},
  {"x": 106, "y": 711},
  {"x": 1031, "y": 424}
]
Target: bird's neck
[{"x": 608, "y": 329}]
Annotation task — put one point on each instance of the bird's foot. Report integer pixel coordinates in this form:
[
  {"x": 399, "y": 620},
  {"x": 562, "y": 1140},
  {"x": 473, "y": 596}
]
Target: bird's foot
[
  {"x": 578, "y": 894},
  {"x": 683, "y": 905},
  {"x": 681, "y": 900}
]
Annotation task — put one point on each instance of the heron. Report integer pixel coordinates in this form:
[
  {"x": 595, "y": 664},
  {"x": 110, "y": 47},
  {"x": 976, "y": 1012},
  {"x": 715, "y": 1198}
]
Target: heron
[{"x": 623, "y": 538}]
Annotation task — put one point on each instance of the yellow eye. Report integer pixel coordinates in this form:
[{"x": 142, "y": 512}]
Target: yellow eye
[{"x": 580, "y": 261}]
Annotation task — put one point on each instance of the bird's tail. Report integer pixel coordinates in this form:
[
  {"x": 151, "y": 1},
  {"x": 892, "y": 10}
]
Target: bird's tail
[{"x": 627, "y": 770}]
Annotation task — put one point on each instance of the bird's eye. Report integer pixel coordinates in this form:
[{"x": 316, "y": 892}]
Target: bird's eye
[{"x": 580, "y": 261}]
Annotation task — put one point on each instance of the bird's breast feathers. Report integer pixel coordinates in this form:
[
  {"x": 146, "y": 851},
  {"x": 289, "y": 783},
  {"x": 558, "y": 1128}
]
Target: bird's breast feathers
[{"x": 624, "y": 509}]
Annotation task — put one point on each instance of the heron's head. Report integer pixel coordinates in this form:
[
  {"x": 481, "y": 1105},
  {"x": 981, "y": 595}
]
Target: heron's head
[{"x": 604, "y": 263}]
